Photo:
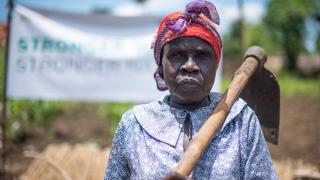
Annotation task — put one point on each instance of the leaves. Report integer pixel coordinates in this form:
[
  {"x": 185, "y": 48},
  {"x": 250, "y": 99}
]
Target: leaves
[{"x": 286, "y": 21}]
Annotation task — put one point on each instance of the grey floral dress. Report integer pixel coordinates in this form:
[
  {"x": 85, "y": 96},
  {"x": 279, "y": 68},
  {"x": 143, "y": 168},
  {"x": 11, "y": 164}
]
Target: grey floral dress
[{"x": 148, "y": 143}]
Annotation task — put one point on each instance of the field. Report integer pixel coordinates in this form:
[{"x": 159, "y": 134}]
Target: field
[
  {"x": 299, "y": 134},
  {"x": 34, "y": 125}
]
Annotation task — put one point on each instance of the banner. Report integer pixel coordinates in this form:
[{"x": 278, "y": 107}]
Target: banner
[{"x": 62, "y": 56}]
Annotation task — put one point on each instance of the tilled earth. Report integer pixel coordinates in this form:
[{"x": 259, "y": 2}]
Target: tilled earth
[{"x": 299, "y": 130}]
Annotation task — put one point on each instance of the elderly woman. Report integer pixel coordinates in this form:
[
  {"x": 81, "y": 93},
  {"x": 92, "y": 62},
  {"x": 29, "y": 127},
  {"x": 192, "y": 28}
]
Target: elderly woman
[{"x": 151, "y": 138}]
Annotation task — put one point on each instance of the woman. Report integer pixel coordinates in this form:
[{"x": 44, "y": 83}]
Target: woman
[{"x": 151, "y": 138}]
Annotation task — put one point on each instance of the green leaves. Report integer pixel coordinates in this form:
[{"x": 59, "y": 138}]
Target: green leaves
[
  {"x": 23, "y": 113},
  {"x": 286, "y": 21},
  {"x": 112, "y": 113}
]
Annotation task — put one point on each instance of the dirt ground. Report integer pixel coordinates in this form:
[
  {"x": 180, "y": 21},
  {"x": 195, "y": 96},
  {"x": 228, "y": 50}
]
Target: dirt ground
[{"x": 299, "y": 130}]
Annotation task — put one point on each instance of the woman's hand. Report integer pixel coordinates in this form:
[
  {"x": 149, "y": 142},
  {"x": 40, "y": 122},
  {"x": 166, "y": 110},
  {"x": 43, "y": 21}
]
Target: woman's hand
[{"x": 176, "y": 176}]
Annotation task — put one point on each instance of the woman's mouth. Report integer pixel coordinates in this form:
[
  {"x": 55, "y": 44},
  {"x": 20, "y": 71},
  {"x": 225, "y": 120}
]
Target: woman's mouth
[{"x": 188, "y": 81}]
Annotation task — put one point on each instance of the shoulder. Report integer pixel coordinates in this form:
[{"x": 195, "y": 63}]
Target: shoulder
[
  {"x": 148, "y": 108},
  {"x": 150, "y": 113},
  {"x": 140, "y": 109},
  {"x": 245, "y": 115},
  {"x": 239, "y": 112},
  {"x": 159, "y": 121},
  {"x": 127, "y": 118},
  {"x": 127, "y": 124},
  {"x": 138, "y": 114},
  {"x": 238, "y": 106}
]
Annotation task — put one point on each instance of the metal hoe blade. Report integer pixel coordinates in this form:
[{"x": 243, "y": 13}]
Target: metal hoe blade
[{"x": 262, "y": 93}]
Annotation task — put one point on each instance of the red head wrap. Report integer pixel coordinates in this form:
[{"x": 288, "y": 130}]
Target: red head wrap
[{"x": 200, "y": 19}]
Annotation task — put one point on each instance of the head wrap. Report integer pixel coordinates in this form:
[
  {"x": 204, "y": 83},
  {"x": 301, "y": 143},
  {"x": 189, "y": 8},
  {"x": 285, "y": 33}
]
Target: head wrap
[{"x": 200, "y": 19}]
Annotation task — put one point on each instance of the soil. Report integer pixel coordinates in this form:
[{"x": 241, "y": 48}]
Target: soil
[{"x": 299, "y": 130}]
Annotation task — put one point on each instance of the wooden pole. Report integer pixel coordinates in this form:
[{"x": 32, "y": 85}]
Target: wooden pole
[
  {"x": 254, "y": 59},
  {"x": 4, "y": 90}
]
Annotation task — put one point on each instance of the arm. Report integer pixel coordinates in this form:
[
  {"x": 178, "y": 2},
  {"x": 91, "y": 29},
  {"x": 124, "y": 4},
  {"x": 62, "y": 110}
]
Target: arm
[
  {"x": 117, "y": 165},
  {"x": 257, "y": 162}
]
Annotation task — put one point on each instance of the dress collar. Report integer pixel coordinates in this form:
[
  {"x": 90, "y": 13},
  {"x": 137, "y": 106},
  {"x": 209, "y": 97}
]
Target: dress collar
[{"x": 165, "y": 123}]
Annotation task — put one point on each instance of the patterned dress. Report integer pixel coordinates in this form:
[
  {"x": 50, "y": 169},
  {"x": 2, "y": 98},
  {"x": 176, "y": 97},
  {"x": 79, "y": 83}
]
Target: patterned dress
[{"x": 148, "y": 143}]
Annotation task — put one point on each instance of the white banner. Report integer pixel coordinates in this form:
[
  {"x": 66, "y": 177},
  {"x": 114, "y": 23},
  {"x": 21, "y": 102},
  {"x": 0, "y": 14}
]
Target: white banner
[{"x": 63, "y": 56}]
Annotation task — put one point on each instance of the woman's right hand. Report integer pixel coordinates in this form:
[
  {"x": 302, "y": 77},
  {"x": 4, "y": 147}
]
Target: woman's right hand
[{"x": 176, "y": 176}]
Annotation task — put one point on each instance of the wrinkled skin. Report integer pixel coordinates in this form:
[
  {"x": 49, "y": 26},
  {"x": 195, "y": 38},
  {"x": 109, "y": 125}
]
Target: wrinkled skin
[{"x": 188, "y": 66}]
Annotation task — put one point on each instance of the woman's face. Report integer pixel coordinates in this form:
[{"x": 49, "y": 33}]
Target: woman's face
[{"x": 189, "y": 66}]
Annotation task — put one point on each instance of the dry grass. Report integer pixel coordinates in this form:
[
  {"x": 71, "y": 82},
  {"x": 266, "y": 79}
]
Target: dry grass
[
  {"x": 288, "y": 169},
  {"x": 66, "y": 162}
]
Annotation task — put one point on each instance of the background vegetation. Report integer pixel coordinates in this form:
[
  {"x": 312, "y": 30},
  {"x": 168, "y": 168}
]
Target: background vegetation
[{"x": 281, "y": 31}]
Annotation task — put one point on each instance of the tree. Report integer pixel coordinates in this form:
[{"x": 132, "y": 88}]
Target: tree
[
  {"x": 255, "y": 34},
  {"x": 232, "y": 42},
  {"x": 288, "y": 18},
  {"x": 258, "y": 34}
]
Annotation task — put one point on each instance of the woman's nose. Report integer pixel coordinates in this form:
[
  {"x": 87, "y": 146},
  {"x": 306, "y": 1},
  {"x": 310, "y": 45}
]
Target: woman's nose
[{"x": 190, "y": 65}]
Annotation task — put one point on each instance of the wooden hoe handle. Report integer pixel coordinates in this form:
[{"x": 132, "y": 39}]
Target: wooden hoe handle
[{"x": 254, "y": 58}]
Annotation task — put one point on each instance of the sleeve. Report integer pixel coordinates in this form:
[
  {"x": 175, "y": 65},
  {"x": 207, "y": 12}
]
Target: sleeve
[
  {"x": 257, "y": 162},
  {"x": 117, "y": 165}
]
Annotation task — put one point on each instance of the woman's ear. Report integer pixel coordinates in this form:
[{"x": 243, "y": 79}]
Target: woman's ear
[{"x": 160, "y": 68}]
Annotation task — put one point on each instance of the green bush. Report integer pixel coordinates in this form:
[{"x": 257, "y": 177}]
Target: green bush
[
  {"x": 23, "y": 113},
  {"x": 293, "y": 85},
  {"x": 112, "y": 113}
]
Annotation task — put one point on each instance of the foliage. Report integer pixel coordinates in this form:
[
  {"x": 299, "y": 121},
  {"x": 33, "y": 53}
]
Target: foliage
[
  {"x": 231, "y": 48},
  {"x": 254, "y": 34},
  {"x": 285, "y": 19},
  {"x": 112, "y": 112},
  {"x": 282, "y": 31},
  {"x": 259, "y": 35},
  {"x": 231, "y": 42},
  {"x": 22, "y": 113},
  {"x": 292, "y": 85}
]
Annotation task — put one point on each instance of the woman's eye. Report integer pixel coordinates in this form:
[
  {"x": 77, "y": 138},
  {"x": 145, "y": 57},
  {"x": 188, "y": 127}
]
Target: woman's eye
[
  {"x": 201, "y": 55},
  {"x": 177, "y": 55}
]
